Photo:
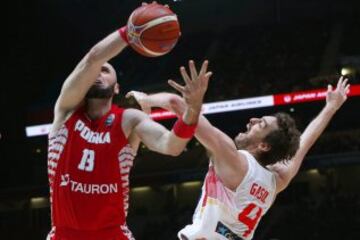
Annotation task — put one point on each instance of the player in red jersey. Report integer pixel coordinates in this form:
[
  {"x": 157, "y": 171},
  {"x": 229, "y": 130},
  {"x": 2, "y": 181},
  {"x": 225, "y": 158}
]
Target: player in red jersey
[
  {"x": 246, "y": 174},
  {"x": 92, "y": 145}
]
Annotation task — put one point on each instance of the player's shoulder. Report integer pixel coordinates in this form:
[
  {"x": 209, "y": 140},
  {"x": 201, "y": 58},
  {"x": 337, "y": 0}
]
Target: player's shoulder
[
  {"x": 134, "y": 116},
  {"x": 254, "y": 166},
  {"x": 244, "y": 156},
  {"x": 133, "y": 113},
  {"x": 60, "y": 119},
  {"x": 282, "y": 176},
  {"x": 131, "y": 118}
]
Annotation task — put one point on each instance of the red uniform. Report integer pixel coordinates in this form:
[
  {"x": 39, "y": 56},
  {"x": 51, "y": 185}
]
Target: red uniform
[{"x": 88, "y": 167}]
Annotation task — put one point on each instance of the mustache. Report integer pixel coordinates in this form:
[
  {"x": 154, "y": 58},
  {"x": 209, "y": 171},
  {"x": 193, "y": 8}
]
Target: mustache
[{"x": 97, "y": 91}]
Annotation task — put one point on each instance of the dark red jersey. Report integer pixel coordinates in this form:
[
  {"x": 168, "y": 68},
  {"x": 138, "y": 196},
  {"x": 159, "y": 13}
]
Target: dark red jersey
[{"x": 89, "y": 162}]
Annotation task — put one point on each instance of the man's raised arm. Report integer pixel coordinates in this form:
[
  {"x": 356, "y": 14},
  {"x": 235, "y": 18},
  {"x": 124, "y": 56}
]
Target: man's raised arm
[
  {"x": 334, "y": 100},
  {"x": 214, "y": 140},
  {"x": 84, "y": 75},
  {"x": 155, "y": 136}
]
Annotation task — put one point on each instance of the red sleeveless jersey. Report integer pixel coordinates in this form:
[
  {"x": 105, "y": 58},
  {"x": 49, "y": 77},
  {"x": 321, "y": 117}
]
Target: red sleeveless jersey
[{"x": 89, "y": 162}]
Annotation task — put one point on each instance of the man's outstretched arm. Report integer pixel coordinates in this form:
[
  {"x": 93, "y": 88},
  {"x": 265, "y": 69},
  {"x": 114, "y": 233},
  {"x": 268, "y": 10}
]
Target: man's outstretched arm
[
  {"x": 158, "y": 138},
  {"x": 84, "y": 75},
  {"x": 207, "y": 134},
  {"x": 229, "y": 162},
  {"x": 334, "y": 100},
  {"x": 231, "y": 165}
]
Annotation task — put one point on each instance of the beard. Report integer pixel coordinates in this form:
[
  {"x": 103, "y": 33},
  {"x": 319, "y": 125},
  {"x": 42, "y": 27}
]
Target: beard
[
  {"x": 97, "y": 92},
  {"x": 243, "y": 142}
]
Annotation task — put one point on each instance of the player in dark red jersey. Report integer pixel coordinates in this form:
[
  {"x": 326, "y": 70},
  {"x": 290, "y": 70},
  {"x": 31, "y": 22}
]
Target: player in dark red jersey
[{"x": 92, "y": 145}]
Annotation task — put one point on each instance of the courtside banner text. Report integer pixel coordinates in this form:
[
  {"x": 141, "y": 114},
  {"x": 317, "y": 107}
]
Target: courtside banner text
[{"x": 228, "y": 106}]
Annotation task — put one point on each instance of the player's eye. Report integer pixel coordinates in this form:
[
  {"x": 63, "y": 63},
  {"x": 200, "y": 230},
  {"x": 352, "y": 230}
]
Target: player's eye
[{"x": 104, "y": 69}]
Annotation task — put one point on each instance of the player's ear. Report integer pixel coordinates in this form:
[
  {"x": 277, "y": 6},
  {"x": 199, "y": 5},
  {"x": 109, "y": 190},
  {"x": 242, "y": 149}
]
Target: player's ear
[
  {"x": 116, "y": 89},
  {"x": 264, "y": 147}
]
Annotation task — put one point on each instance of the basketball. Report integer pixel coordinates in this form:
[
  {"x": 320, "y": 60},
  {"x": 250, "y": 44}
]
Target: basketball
[{"x": 153, "y": 30}]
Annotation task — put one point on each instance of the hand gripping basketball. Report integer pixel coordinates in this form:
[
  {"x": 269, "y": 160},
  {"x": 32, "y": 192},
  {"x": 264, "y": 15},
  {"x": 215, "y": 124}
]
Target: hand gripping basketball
[{"x": 152, "y": 30}]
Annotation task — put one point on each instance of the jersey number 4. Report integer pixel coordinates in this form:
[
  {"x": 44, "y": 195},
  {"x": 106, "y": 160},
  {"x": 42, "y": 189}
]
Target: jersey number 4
[
  {"x": 87, "y": 161},
  {"x": 250, "y": 222}
]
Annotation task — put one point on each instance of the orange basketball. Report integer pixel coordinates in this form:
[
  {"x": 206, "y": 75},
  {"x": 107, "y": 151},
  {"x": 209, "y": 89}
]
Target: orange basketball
[{"x": 153, "y": 30}]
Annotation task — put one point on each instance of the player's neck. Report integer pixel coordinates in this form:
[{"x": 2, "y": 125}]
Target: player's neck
[
  {"x": 253, "y": 151},
  {"x": 96, "y": 108},
  {"x": 256, "y": 155}
]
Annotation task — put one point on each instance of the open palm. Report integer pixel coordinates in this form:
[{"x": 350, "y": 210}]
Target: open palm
[{"x": 335, "y": 98}]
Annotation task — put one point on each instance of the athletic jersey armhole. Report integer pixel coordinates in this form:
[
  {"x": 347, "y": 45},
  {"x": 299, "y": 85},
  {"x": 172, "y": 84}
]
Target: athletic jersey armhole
[
  {"x": 275, "y": 185},
  {"x": 249, "y": 170},
  {"x": 70, "y": 118},
  {"x": 120, "y": 112}
]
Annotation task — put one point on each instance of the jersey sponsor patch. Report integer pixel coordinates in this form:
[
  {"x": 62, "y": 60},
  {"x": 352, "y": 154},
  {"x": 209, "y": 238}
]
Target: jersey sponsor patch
[
  {"x": 226, "y": 232},
  {"x": 88, "y": 188},
  {"x": 109, "y": 120}
]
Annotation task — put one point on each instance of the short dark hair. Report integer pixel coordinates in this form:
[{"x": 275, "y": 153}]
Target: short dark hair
[{"x": 284, "y": 141}]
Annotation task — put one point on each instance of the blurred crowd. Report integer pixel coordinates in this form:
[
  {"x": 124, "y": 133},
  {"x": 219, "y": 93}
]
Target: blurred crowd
[{"x": 256, "y": 60}]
